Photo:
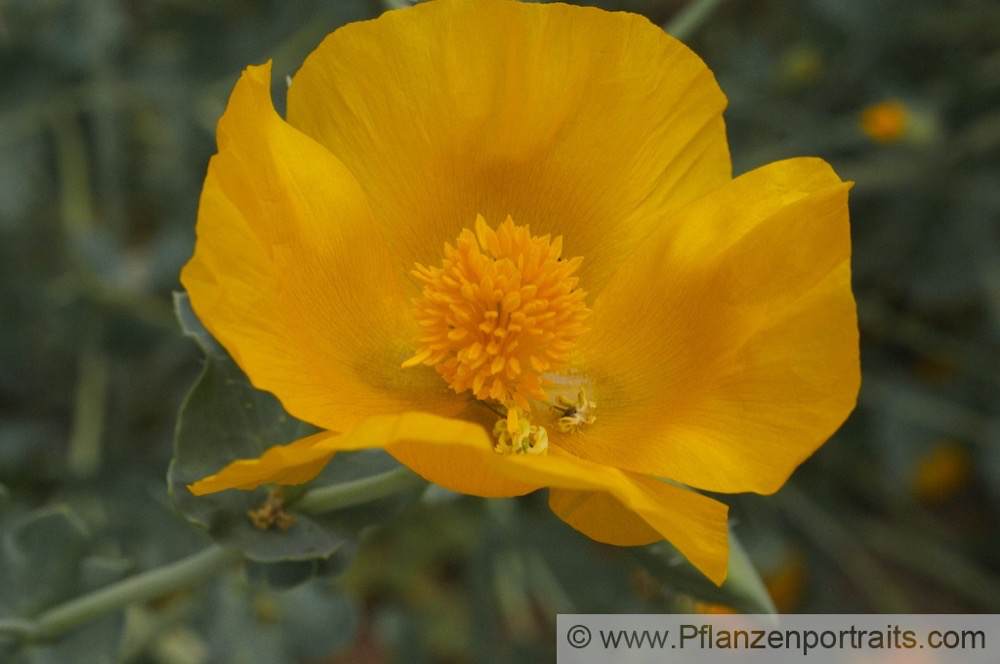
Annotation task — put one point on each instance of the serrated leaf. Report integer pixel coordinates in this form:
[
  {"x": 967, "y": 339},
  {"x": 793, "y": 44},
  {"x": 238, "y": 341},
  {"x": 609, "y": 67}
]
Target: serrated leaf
[{"x": 743, "y": 589}]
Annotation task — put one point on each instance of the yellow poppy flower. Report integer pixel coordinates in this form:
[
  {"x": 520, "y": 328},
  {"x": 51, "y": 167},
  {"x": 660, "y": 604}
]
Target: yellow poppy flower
[{"x": 502, "y": 242}]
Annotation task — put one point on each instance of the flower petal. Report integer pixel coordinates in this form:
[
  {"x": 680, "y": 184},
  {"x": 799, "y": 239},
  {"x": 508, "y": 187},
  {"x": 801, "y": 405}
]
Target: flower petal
[
  {"x": 741, "y": 356},
  {"x": 290, "y": 275},
  {"x": 604, "y": 503},
  {"x": 295, "y": 463},
  {"x": 453, "y": 453},
  {"x": 576, "y": 121},
  {"x": 624, "y": 508},
  {"x": 601, "y": 517}
]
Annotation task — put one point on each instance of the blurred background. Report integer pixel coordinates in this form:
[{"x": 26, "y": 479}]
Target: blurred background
[{"x": 107, "y": 122}]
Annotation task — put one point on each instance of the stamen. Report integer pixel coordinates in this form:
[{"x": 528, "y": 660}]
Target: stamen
[
  {"x": 272, "y": 513},
  {"x": 503, "y": 308},
  {"x": 517, "y": 435},
  {"x": 575, "y": 414}
]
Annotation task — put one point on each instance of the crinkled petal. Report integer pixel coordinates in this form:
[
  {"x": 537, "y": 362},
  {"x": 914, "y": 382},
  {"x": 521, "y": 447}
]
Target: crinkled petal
[
  {"x": 294, "y": 463},
  {"x": 741, "y": 352},
  {"x": 291, "y": 276},
  {"x": 578, "y": 122}
]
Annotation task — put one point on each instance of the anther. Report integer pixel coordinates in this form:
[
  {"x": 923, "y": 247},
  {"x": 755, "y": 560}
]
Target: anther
[
  {"x": 516, "y": 434},
  {"x": 575, "y": 414}
]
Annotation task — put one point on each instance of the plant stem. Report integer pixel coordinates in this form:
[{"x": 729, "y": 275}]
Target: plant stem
[
  {"x": 15, "y": 627},
  {"x": 199, "y": 566},
  {"x": 90, "y": 405},
  {"x": 357, "y": 492},
  {"x": 688, "y": 20},
  {"x": 181, "y": 574}
]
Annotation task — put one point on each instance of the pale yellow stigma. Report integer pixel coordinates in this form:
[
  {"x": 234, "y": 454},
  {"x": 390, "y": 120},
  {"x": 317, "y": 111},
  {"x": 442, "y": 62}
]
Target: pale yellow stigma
[{"x": 502, "y": 309}]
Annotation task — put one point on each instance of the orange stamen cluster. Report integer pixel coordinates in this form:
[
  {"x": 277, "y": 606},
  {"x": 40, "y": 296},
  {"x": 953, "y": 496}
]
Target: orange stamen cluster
[{"x": 501, "y": 310}]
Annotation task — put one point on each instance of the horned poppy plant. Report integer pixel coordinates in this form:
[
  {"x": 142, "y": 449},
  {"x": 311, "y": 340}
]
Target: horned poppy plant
[{"x": 502, "y": 242}]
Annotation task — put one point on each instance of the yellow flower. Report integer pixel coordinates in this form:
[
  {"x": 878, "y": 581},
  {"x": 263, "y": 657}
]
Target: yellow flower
[{"x": 502, "y": 242}]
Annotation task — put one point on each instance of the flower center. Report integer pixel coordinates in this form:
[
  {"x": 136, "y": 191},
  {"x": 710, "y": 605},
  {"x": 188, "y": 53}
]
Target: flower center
[{"x": 502, "y": 310}]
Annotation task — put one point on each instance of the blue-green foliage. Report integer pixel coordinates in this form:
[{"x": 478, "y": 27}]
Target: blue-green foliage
[{"x": 107, "y": 120}]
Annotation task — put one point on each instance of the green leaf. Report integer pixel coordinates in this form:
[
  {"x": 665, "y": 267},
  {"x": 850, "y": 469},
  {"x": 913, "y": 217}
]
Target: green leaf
[
  {"x": 289, "y": 574},
  {"x": 306, "y": 623},
  {"x": 222, "y": 419},
  {"x": 282, "y": 575},
  {"x": 743, "y": 589},
  {"x": 192, "y": 327},
  {"x": 99, "y": 571},
  {"x": 42, "y": 562},
  {"x": 47, "y": 544},
  {"x": 93, "y": 643},
  {"x": 225, "y": 418},
  {"x": 349, "y": 466}
]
